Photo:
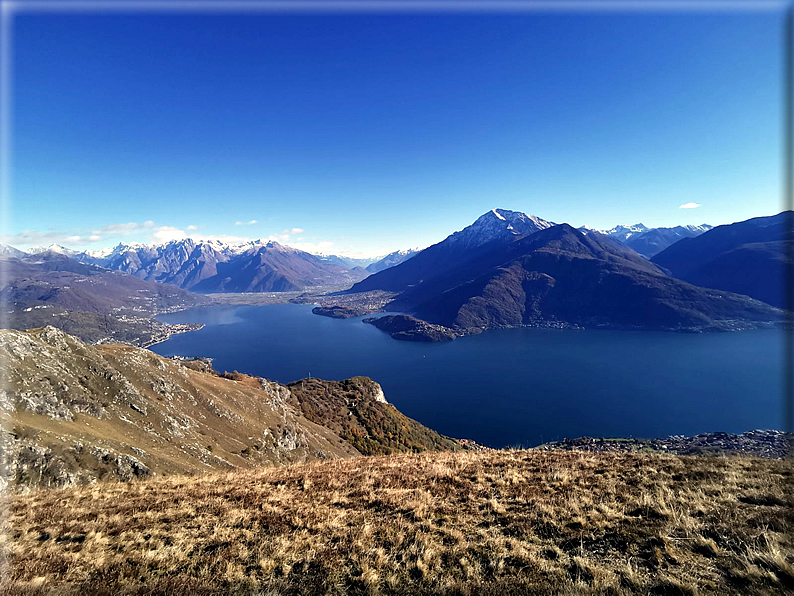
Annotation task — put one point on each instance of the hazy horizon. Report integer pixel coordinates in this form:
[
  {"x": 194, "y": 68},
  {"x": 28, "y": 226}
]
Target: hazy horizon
[{"x": 78, "y": 246}]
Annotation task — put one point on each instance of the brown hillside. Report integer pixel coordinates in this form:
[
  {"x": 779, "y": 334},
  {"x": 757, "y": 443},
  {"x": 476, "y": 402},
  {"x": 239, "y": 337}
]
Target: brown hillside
[{"x": 74, "y": 413}]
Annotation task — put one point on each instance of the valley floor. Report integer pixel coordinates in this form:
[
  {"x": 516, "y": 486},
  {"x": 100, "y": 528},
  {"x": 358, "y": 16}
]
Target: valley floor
[{"x": 490, "y": 522}]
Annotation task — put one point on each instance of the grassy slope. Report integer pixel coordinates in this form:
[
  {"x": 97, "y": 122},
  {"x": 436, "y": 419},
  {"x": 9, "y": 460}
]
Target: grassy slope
[
  {"x": 67, "y": 398},
  {"x": 473, "y": 522},
  {"x": 187, "y": 421}
]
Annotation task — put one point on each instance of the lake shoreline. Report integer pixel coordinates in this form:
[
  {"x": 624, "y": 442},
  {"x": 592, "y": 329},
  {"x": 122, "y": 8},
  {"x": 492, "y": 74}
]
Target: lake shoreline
[
  {"x": 766, "y": 444},
  {"x": 520, "y": 386}
]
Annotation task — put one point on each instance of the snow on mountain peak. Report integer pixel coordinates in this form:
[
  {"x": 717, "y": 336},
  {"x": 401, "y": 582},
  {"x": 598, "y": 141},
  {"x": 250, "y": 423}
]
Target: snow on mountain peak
[
  {"x": 498, "y": 224},
  {"x": 11, "y": 251},
  {"x": 56, "y": 248},
  {"x": 694, "y": 228}
]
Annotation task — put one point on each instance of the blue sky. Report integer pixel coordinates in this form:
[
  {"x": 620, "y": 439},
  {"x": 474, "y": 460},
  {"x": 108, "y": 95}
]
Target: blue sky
[{"x": 361, "y": 134}]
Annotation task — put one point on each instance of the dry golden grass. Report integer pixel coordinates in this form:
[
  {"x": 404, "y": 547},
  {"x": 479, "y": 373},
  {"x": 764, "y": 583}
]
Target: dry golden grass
[{"x": 520, "y": 522}]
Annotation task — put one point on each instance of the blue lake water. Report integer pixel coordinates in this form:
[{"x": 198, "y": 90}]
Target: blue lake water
[{"x": 512, "y": 387}]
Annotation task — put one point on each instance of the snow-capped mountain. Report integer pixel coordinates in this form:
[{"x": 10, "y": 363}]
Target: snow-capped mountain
[
  {"x": 497, "y": 224},
  {"x": 214, "y": 266},
  {"x": 346, "y": 262},
  {"x": 392, "y": 259},
  {"x": 10, "y": 251},
  {"x": 697, "y": 229},
  {"x": 620, "y": 233},
  {"x": 649, "y": 241},
  {"x": 56, "y": 248},
  {"x": 656, "y": 240},
  {"x": 493, "y": 228},
  {"x": 98, "y": 254}
]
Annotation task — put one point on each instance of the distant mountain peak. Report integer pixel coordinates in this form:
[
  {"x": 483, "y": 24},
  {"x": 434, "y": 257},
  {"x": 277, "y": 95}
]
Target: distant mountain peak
[
  {"x": 392, "y": 259},
  {"x": 656, "y": 240},
  {"x": 498, "y": 224},
  {"x": 499, "y": 215},
  {"x": 56, "y": 248},
  {"x": 695, "y": 228},
  {"x": 212, "y": 265},
  {"x": 10, "y": 251},
  {"x": 508, "y": 216},
  {"x": 626, "y": 231},
  {"x": 648, "y": 241}
]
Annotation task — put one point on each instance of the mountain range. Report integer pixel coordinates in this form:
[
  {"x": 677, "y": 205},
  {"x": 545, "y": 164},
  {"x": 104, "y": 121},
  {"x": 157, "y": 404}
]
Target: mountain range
[
  {"x": 748, "y": 257},
  {"x": 509, "y": 269},
  {"x": 497, "y": 225},
  {"x": 197, "y": 264},
  {"x": 95, "y": 304},
  {"x": 188, "y": 263},
  {"x": 391, "y": 259},
  {"x": 207, "y": 266},
  {"x": 346, "y": 262},
  {"x": 649, "y": 241}
]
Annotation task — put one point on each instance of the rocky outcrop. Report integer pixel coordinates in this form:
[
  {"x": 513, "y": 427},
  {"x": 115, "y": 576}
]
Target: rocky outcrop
[{"x": 25, "y": 463}]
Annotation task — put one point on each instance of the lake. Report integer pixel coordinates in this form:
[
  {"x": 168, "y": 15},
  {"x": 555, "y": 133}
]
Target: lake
[{"x": 512, "y": 387}]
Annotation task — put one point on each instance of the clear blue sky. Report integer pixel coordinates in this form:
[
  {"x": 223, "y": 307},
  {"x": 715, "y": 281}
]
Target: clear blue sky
[{"x": 368, "y": 133}]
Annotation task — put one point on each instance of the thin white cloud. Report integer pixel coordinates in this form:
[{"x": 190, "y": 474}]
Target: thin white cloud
[
  {"x": 153, "y": 232},
  {"x": 31, "y": 238},
  {"x": 245, "y": 223},
  {"x": 147, "y": 232},
  {"x": 690, "y": 206},
  {"x": 168, "y": 233},
  {"x": 284, "y": 236},
  {"x": 123, "y": 229}
]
